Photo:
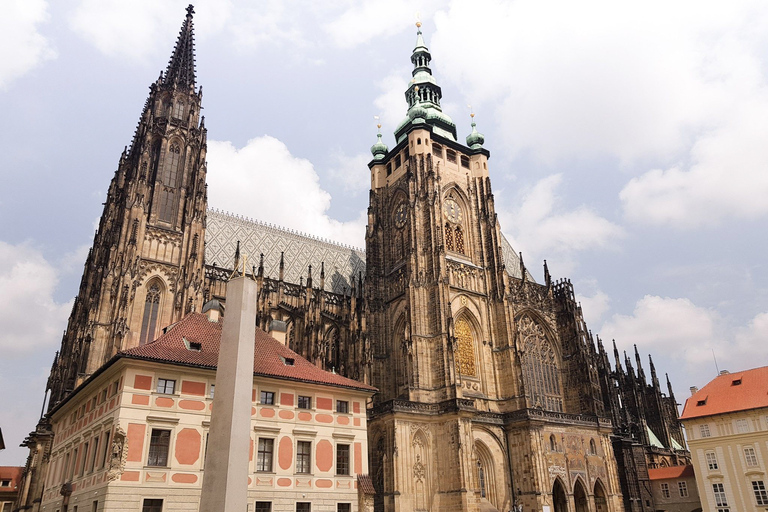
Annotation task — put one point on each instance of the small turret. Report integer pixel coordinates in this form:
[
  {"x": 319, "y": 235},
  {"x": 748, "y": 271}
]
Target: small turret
[
  {"x": 379, "y": 150},
  {"x": 475, "y": 140}
]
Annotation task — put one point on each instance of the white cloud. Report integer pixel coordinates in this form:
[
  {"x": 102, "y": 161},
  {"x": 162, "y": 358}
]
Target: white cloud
[
  {"x": 30, "y": 318},
  {"x": 264, "y": 181},
  {"x": 351, "y": 171},
  {"x": 727, "y": 177},
  {"x": 678, "y": 333},
  {"x": 22, "y": 46},
  {"x": 139, "y": 29},
  {"x": 390, "y": 103},
  {"x": 679, "y": 85},
  {"x": 365, "y": 21},
  {"x": 541, "y": 228},
  {"x": 594, "y": 306}
]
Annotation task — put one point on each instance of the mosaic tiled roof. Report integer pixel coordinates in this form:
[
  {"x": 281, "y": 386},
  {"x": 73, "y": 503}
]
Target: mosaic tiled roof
[
  {"x": 342, "y": 262},
  {"x": 223, "y": 231},
  {"x": 269, "y": 354}
]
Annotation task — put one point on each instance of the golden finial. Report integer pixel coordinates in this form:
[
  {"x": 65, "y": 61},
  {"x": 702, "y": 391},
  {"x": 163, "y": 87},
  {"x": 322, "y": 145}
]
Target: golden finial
[
  {"x": 418, "y": 19},
  {"x": 471, "y": 111},
  {"x": 378, "y": 122}
]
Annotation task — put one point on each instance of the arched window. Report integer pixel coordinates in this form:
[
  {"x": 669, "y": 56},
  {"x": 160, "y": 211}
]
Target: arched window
[
  {"x": 540, "y": 371},
  {"x": 178, "y": 110},
  {"x": 169, "y": 178},
  {"x": 481, "y": 480},
  {"x": 151, "y": 312},
  {"x": 448, "y": 237},
  {"x": 465, "y": 351},
  {"x": 459, "y": 240},
  {"x": 170, "y": 174}
]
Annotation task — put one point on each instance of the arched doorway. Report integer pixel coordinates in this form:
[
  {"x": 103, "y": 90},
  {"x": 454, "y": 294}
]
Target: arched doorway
[
  {"x": 601, "y": 503},
  {"x": 580, "y": 497},
  {"x": 559, "y": 501}
]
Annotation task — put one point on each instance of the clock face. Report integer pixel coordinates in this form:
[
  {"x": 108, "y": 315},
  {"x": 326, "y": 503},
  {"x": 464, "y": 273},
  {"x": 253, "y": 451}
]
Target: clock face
[
  {"x": 401, "y": 214},
  {"x": 452, "y": 210}
]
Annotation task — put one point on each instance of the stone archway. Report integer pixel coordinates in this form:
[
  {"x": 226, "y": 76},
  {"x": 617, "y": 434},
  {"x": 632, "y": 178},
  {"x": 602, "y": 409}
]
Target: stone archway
[
  {"x": 559, "y": 501},
  {"x": 580, "y": 497},
  {"x": 601, "y": 502}
]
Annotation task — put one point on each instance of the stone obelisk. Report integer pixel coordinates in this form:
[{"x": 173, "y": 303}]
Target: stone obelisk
[{"x": 225, "y": 482}]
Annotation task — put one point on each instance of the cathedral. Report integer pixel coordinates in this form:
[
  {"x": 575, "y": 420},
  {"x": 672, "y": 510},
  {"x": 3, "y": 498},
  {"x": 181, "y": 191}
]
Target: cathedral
[{"x": 492, "y": 392}]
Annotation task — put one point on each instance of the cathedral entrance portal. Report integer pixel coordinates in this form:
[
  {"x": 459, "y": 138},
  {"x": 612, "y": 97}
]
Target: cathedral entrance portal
[
  {"x": 558, "y": 497},
  {"x": 580, "y": 497},
  {"x": 601, "y": 504}
]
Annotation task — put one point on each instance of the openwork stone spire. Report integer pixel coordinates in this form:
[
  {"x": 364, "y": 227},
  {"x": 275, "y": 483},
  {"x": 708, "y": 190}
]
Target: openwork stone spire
[{"x": 181, "y": 67}]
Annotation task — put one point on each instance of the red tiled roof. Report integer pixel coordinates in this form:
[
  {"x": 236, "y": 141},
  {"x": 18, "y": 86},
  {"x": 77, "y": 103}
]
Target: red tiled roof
[
  {"x": 365, "y": 484},
  {"x": 269, "y": 354},
  {"x": 730, "y": 392},
  {"x": 670, "y": 472},
  {"x": 12, "y": 473}
]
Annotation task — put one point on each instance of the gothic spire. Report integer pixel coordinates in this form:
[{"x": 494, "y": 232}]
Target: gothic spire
[{"x": 181, "y": 67}]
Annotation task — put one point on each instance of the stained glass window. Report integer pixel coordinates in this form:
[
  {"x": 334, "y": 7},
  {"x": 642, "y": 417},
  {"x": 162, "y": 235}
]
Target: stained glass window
[
  {"x": 459, "y": 240},
  {"x": 448, "y": 237},
  {"x": 540, "y": 371}
]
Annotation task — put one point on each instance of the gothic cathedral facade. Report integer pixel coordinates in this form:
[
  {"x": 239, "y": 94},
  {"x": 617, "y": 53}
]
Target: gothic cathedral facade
[{"x": 493, "y": 394}]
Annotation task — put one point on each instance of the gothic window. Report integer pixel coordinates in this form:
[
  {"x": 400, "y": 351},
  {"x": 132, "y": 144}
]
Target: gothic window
[
  {"x": 465, "y": 352},
  {"x": 459, "y": 240},
  {"x": 178, "y": 110},
  {"x": 171, "y": 166},
  {"x": 449, "y": 237},
  {"x": 540, "y": 370},
  {"x": 151, "y": 311},
  {"x": 481, "y": 479},
  {"x": 134, "y": 232},
  {"x": 167, "y": 201},
  {"x": 193, "y": 252}
]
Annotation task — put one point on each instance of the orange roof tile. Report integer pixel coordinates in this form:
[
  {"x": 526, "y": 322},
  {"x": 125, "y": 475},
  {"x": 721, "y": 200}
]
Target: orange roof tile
[
  {"x": 269, "y": 354},
  {"x": 670, "y": 472},
  {"x": 12, "y": 473},
  {"x": 730, "y": 392}
]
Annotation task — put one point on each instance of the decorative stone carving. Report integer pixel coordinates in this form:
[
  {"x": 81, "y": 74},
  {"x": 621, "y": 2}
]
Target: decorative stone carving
[
  {"x": 119, "y": 454},
  {"x": 465, "y": 354}
]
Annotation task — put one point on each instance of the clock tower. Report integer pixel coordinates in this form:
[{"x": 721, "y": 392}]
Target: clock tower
[{"x": 465, "y": 348}]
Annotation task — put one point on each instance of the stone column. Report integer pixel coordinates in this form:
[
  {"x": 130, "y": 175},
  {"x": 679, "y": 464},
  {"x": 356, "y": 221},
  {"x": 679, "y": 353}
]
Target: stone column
[{"x": 225, "y": 483}]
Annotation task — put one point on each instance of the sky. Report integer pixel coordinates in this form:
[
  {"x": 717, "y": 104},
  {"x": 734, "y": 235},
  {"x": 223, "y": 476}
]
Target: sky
[{"x": 627, "y": 146}]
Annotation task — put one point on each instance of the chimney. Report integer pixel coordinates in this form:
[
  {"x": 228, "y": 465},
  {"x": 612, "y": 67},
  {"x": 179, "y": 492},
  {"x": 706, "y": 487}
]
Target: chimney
[
  {"x": 694, "y": 390},
  {"x": 278, "y": 329}
]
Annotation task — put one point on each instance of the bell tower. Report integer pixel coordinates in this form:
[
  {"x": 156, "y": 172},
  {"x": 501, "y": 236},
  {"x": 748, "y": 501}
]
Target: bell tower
[{"x": 145, "y": 269}]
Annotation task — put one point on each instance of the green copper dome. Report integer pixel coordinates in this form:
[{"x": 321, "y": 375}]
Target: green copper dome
[
  {"x": 379, "y": 150},
  {"x": 475, "y": 140}
]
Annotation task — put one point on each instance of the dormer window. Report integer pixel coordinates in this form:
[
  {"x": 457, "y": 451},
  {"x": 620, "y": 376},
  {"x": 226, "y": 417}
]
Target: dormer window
[
  {"x": 194, "y": 346},
  {"x": 288, "y": 361}
]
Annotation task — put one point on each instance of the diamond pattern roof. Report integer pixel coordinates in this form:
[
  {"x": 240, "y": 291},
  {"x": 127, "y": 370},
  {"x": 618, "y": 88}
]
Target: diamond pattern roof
[{"x": 342, "y": 262}]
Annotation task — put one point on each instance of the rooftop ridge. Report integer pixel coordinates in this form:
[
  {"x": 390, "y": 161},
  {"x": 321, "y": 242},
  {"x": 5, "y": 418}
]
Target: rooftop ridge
[{"x": 275, "y": 227}]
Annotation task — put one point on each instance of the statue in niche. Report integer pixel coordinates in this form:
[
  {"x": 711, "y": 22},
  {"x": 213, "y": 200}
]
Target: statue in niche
[{"x": 118, "y": 455}]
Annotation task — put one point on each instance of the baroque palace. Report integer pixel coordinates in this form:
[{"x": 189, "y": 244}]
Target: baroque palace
[{"x": 492, "y": 393}]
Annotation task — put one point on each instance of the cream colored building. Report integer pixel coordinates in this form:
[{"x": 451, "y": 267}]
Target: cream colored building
[
  {"x": 133, "y": 436},
  {"x": 727, "y": 427}
]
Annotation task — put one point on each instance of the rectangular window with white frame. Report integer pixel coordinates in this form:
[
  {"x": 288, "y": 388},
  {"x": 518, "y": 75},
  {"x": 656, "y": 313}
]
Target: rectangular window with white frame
[
  {"x": 665, "y": 490},
  {"x": 682, "y": 488},
  {"x": 342, "y": 459},
  {"x": 265, "y": 454},
  {"x": 704, "y": 430},
  {"x": 166, "y": 386},
  {"x": 750, "y": 457},
  {"x": 711, "y": 461},
  {"x": 304, "y": 457},
  {"x": 159, "y": 445},
  {"x": 761, "y": 495},
  {"x": 742, "y": 426},
  {"x": 721, "y": 500}
]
